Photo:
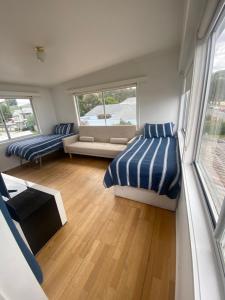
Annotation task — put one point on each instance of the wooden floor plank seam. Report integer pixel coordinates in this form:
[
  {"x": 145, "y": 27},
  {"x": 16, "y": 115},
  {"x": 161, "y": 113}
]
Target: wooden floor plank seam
[{"x": 111, "y": 248}]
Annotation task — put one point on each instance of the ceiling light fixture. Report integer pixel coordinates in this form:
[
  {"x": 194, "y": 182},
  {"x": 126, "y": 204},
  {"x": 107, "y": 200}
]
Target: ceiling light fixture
[{"x": 40, "y": 53}]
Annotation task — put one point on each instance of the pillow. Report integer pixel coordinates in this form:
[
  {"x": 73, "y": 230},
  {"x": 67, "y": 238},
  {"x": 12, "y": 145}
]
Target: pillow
[
  {"x": 86, "y": 139},
  {"x": 158, "y": 130},
  {"x": 69, "y": 127},
  {"x": 63, "y": 128},
  {"x": 118, "y": 140}
]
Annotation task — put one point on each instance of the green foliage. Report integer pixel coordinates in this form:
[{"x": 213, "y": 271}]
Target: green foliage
[
  {"x": 111, "y": 100},
  {"x": 12, "y": 102},
  {"x": 30, "y": 123},
  {"x": 216, "y": 93},
  {"x": 89, "y": 101},
  {"x": 122, "y": 122},
  {"x": 213, "y": 127},
  {"x": 121, "y": 94},
  {"x": 222, "y": 129},
  {"x": 6, "y": 111}
]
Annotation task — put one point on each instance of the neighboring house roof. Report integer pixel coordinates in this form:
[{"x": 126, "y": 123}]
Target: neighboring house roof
[{"x": 125, "y": 110}]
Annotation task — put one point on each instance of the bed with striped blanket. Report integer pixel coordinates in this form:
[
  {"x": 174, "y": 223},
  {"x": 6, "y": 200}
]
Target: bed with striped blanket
[
  {"x": 33, "y": 148},
  {"x": 147, "y": 163}
]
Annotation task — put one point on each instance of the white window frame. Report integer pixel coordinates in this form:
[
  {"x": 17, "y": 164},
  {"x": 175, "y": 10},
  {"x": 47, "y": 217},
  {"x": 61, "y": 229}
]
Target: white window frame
[
  {"x": 206, "y": 87},
  {"x": 105, "y": 88},
  {"x": 206, "y": 268},
  {"x": 185, "y": 100},
  {"x": 6, "y": 96},
  {"x": 216, "y": 222}
]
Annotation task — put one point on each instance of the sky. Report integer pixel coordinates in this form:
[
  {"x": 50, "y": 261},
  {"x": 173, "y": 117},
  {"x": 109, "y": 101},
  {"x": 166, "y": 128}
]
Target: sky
[
  {"x": 219, "y": 59},
  {"x": 19, "y": 101}
]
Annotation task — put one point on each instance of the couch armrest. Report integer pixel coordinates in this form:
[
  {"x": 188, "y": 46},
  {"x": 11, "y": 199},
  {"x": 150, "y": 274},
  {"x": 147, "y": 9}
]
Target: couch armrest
[
  {"x": 131, "y": 140},
  {"x": 69, "y": 140}
]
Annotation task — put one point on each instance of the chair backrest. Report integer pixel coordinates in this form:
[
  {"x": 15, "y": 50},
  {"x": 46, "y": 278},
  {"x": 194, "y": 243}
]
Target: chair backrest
[{"x": 104, "y": 133}]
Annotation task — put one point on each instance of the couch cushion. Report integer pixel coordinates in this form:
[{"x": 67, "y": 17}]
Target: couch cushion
[
  {"x": 96, "y": 149},
  {"x": 104, "y": 133},
  {"x": 86, "y": 138},
  {"x": 116, "y": 140}
]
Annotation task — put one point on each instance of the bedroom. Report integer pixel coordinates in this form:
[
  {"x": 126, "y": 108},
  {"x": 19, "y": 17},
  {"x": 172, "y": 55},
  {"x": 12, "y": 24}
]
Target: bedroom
[{"x": 95, "y": 98}]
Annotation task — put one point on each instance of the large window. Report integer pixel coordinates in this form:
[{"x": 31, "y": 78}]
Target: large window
[
  {"x": 17, "y": 118},
  {"x": 210, "y": 157},
  {"x": 111, "y": 107}
]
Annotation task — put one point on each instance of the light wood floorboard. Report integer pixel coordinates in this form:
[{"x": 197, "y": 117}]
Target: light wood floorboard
[{"x": 111, "y": 248}]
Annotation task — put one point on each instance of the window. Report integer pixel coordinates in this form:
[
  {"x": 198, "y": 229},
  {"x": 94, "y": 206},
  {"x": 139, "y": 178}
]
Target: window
[
  {"x": 186, "y": 98},
  {"x": 111, "y": 107},
  {"x": 17, "y": 118},
  {"x": 210, "y": 155}
]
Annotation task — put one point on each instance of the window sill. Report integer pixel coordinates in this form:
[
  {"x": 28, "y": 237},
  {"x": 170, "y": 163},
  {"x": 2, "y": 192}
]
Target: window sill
[{"x": 207, "y": 275}]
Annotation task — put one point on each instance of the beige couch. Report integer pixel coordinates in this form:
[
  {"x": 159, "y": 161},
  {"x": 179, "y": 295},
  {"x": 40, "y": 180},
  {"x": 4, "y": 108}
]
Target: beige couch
[{"x": 101, "y": 146}]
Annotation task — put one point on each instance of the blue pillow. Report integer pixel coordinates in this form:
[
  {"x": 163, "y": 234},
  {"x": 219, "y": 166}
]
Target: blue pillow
[
  {"x": 158, "y": 130},
  {"x": 63, "y": 128}
]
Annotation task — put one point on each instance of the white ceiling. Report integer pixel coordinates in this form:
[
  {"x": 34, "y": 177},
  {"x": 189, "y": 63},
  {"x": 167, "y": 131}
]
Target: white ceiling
[{"x": 81, "y": 36}]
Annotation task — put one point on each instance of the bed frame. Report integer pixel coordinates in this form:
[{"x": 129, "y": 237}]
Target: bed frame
[
  {"x": 145, "y": 196},
  {"x": 38, "y": 159}
]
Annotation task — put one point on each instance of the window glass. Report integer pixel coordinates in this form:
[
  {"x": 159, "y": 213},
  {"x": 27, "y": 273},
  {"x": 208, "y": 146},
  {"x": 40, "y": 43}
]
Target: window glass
[
  {"x": 19, "y": 119},
  {"x": 120, "y": 106},
  {"x": 3, "y": 133},
  {"x": 91, "y": 110},
  {"x": 112, "y": 107},
  {"x": 222, "y": 245},
  {"x": 211, "y": 155}
]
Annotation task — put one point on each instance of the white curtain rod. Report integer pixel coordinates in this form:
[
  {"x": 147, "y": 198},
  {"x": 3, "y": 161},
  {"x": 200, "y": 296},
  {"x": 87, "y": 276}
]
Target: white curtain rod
[
  {"x": 107, "y": 86},
  {"x": 10, "y": 94}
]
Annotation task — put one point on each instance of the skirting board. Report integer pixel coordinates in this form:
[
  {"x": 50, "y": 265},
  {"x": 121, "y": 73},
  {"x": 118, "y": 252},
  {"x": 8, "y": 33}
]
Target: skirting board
[{"x": 145, "y": 196}]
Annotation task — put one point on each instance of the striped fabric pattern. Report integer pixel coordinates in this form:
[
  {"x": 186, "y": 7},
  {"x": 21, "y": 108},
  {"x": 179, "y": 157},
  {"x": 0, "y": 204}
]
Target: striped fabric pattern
[
  {"x": 63, "y": 128},
  {"x": 151, "y": 163},
  {"x": 32, "y": 148},
  {"x": 158, "y": 130}
]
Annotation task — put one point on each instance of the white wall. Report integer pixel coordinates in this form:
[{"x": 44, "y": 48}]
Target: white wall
[
  {"x": 45, "y": 112},
  {"x": 191, "y": 22},
  {"x": 157, "y": 95}
]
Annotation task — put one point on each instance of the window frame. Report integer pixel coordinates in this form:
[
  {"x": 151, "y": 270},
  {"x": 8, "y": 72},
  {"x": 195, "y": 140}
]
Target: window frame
[
  {"x": 185, "y": 113},
  {"x": 205, "y": 92},
  {"x": 185, "y": 99},
  {"x": 213, "y": 217},
  {"x": 102, "y": 90},
  {"x": 8, "y": 97}
]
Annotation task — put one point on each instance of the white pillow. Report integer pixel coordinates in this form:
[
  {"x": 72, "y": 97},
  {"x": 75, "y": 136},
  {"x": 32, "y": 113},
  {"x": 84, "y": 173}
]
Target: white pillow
[
  {"x": 118, "y": 140},
  {"x": 86, "y": 139}
]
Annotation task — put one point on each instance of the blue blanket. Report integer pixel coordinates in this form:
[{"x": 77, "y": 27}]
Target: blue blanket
[
  {"x": 33, "y": 148},
  {"x": 151, "y": 163}
]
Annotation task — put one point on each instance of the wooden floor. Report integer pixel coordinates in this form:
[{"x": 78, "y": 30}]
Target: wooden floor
[{"x": 111, "y": 248}]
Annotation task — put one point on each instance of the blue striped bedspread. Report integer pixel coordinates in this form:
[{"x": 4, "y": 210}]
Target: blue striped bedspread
[
  {"x": 35, "y": 147},
  {"x": 151, "y": 163}
]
